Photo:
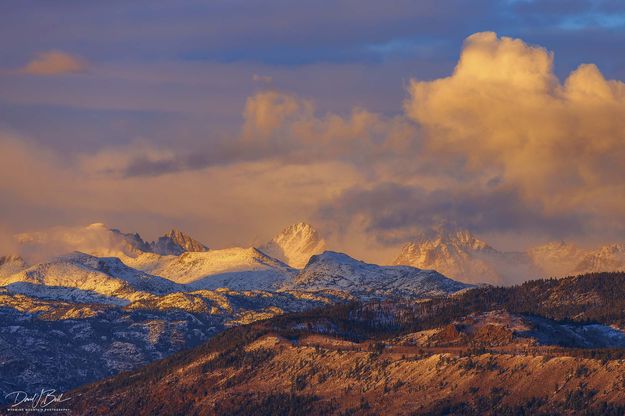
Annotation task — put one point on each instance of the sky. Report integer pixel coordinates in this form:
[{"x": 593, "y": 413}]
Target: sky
[{"x": 371, "y": 120}]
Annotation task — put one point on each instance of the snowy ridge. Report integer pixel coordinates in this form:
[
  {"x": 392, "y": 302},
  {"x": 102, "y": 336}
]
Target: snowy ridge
[
  {"x": 99, "y": 240},
  {"x": 460, "y": 255},
  {"x": 103, "y": 276},
  {"x": 236, "y": 268},
  {"x": 142, "y": 270},
  {"x": 339, "y": 271}
]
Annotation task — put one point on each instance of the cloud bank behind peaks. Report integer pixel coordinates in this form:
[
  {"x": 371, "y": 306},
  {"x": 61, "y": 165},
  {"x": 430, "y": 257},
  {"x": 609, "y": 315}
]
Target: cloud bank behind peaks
[
  {"x": 501, "y": 145},
  {"x": 504, "y": 114}
]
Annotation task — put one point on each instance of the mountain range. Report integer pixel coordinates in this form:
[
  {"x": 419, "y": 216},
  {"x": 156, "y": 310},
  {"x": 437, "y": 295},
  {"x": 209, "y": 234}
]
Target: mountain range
[
  {"x": 455, "y": 253},
  {"x": 462, "y": 256},
  {"x": 128, "y": 302},
  {"x": 542, "y": 348},
  {"x": 113, "y": 302},
  {"x": 177, "y": 262}
]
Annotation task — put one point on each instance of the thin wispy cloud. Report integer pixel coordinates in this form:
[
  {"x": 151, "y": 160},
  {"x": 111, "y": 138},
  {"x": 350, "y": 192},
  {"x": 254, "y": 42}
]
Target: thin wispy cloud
[{"x": 55, "y": 63}]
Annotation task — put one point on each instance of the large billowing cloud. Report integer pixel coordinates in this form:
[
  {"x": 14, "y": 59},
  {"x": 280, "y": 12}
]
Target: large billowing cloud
[
  {"x": 501, "y": 145},
  {"x": 504, "y": 146},
  {"x": 505, "y": 117},
  {"x": 278, "y": 127}
]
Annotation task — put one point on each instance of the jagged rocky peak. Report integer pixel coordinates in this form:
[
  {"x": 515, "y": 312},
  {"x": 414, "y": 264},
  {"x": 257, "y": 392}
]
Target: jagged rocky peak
[
  {"x": 610, "y": 257},
  {"x": 133, "y": 240},
  {"x": 175, "y": 243},
  {"x": 100, "y": 240},
  {"x": 557, "y": 258},
  {"x": 455, "y": 252},
  {"x": 438, "y": 245},
  {"x": 467, "y": 239},
  {"x": 295, "y": 244},
  {"x": 559, "y": 248}
]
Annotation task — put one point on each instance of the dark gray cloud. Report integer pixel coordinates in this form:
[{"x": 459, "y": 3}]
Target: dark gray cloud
[{"x": 396, "y": 213}]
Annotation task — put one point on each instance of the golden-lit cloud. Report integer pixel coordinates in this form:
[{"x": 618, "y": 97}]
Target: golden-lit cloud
[
  {"x": 55, "y": 63},
  {"x": 278, "y": 127},
  {"x": 283, "y": 124},
  {"x": 506, "y": 117}
]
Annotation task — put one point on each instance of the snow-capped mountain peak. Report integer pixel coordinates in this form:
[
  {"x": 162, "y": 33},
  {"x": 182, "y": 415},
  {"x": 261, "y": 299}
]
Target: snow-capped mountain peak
[
  {"x": 295, "y": 244},
  {"x": 455, "y": 253},
  {"x": 338, "y": 271},
  {"x": 610, "y": 257},
  {"x": 336, "y": 257}
]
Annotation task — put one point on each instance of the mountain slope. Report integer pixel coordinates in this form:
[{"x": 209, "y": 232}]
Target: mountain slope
[
  {"x": 103, "y": 276},
  {"x": 295, "y": 245},
  {"x": 332, "y": 362},
  {"x": 235, "y": 268},
  {"x": 48, "y": 343},
  {"x": 338, "y": 271}
]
